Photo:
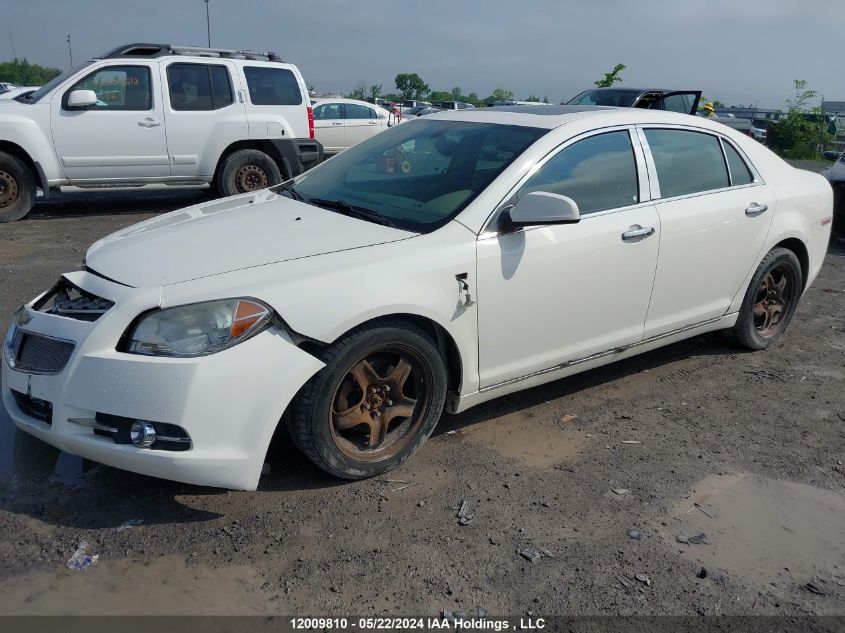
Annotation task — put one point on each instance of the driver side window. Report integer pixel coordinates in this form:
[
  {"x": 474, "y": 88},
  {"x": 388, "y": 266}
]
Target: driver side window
[
  {"x": 598, "y": 173},
  {"x": 118, "y": 88}
]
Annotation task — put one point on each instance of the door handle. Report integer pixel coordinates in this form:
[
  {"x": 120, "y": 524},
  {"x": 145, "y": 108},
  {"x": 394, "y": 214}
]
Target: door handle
[
  {"x": 755, "y": 209},
  {"x": 373, "y": 122},
  {"x": 634, "y": 234},
  {"x": 148, "y": 122},
  {"x": 336, "y": 123}
]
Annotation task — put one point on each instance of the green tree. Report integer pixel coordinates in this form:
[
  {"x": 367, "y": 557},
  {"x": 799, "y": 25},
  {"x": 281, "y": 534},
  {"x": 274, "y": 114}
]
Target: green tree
[
  {"x": 473, "y": 99},
  {"x": 439, "y": 95},
  {"x": 411, "y": 86},
  {"x": 802, "y": 131},
  {"x": 22, "y": 73},
  {"x": 456, "y": 94},
  {"x": 499, "y": 94},
  {"x": 612, "y": 77},
  {"x": 359, "y": 92},
  {"x": 533, "y": 98},
  {"x": 375, "y": 91}
]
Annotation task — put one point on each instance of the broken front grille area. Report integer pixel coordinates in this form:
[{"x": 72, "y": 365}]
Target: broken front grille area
[{"x": 68, "y": 300}]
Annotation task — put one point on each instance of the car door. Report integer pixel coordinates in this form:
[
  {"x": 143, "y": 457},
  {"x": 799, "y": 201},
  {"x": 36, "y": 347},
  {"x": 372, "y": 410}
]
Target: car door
[
  {"x": 685, "y": 102},
  {"x": 202, "y": 114},
  {"x": 361, "y": 123},
  {"x": 555, "y": 294},
  {"x": 328, "y": 126},
  {"x": 123, "y": 135},
  {"x": 715, "y": 213}
]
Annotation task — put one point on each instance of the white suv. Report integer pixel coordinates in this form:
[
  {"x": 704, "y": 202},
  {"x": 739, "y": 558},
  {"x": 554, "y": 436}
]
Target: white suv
[{"x": 157, "y": 113}]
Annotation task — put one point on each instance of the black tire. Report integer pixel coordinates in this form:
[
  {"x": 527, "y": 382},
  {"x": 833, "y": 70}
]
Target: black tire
[
  {"x": 246, "y": 170},
  {"x": 314, "y": 417},
  {"x": 766, "y": 312},
  {"x": 17, "y": 188}
]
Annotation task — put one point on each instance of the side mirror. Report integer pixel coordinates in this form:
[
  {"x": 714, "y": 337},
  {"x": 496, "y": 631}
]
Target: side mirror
[
  {"x": 540, "y": 208},
  {"x": 82, "y": 99}
]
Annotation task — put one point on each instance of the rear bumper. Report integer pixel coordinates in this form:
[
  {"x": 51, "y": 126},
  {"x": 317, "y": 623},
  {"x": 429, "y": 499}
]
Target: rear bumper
[
  {"x": 298, "y": 155},
  {"x": 229, "y": 403}
]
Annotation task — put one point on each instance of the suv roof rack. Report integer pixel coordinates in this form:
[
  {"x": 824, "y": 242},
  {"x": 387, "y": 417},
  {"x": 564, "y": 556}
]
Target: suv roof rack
[{"x": 161, "y": 50}]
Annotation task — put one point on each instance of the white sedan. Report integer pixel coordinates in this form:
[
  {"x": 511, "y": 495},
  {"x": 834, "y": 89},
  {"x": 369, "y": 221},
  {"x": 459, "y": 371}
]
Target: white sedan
[
  {"x": 453, "y": 259},
  {"x": 341, "y": 123}
]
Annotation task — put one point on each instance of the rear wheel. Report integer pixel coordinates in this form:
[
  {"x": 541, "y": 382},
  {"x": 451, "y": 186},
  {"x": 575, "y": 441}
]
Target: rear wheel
[
  {"x": 770, "y": 301},
  {"x": 247, "y": 170},
  {"x": 375, "y": 402},
  {"x": 17, "y": 188}
]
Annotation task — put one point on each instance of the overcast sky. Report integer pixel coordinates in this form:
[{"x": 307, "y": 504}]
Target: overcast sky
[{"x": 737, "y": 51}]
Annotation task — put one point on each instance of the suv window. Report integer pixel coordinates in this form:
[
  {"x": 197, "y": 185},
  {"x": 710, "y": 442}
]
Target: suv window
[
  {"x": 598, "y": 173},
  {"x": 199, "y": 87},
  {"x": 355, "y": 111},
  {"x": 272, "y": 86},
  {"x": 677, "y": 103},
  {"x": 118, "y": 88},
  {"x": 328, "y": 111},
  {"x": 687, "y": 162},
  {"x": 740, "y": 174}
]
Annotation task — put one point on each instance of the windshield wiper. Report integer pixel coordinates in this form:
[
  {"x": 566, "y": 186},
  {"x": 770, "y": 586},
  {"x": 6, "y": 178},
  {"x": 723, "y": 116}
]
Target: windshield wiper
[
  {"x": 287, "y": 187},
  {"x": 352, "y": 210}
]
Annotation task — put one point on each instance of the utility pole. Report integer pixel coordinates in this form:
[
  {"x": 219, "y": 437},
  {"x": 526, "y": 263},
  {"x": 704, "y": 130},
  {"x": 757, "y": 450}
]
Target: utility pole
[
  {"x": 207, "y": 23},
  {"x": 69, "y": 51}
]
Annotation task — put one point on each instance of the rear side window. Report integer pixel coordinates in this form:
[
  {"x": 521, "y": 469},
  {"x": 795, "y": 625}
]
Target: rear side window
[
  {"x": 328, "y": 111},
  {"x": 599, "y": 172},
  {"x": 272, "y": 86},
  {"x": 355, "y": 111},
  {"x": 199, "y": 87},
  {"x": 740, "y": 174},
  {"x": 687, "y": 162}
]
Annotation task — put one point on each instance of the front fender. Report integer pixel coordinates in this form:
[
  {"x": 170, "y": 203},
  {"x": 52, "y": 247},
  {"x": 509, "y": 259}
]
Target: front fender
[{"x": 28, "y": 134}]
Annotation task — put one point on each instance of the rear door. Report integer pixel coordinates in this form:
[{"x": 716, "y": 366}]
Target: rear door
[
  {"x": 683, "y": 101},
  {"x": 275, "y": 96},
  {"x": 361, "y": 123},
  {"x": 715, "y": 213},
  {"x": 328, "y": 126},
  {"x": 123, "y": 135},
  {"x": 203, "y": 115}
]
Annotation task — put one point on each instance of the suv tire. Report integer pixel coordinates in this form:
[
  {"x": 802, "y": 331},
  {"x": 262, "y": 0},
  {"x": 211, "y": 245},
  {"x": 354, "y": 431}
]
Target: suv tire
[
  {"x": 247, "y": 170},
  {"x": 17, "y": 188}
]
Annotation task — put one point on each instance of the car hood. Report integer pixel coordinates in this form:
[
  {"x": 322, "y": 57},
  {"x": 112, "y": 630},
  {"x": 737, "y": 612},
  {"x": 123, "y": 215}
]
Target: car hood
[{"x": 227, "y": 235}]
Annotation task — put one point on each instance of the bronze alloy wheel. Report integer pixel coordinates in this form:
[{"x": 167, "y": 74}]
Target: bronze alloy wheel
[
  {"x": 380, "y": 404},
  {"x": 773, "y": 300},
  {"x": 251, "y": 178},
  {"x": 8, "y": 189}
]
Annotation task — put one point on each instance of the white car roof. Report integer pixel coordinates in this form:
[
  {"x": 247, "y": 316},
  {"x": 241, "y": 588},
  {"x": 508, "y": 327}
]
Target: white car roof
[{"x": 550, "y": 117}]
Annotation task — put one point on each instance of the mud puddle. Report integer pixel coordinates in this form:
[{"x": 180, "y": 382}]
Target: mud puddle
[
  {"x": 532, "y": 441},
  {"x": 768, "y": 531},
  {"x": 168, "y": 585}
]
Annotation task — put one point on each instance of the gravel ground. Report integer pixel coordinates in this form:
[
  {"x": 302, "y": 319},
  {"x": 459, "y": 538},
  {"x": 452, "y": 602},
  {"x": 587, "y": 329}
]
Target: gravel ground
[{"x": 604, "y": 470}]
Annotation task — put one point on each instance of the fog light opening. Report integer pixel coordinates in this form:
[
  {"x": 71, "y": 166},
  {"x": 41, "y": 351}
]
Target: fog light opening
[{"x": 142, "y": 434}]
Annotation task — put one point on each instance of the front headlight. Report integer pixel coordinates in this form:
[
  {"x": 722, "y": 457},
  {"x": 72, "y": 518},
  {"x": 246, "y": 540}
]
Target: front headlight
[{"x": 198, "y": 329}]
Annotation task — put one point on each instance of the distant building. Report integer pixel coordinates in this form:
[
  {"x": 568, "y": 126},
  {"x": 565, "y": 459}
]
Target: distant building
[{"x": 834, "y": 107}]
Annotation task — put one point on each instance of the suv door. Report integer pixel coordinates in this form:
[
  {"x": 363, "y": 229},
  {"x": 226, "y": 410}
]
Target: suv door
[
  {"x": 203, "y": 116},
  {"x": 555, "y": 294},
  {"x": 685, "y": 102},
  {"x": 329, "y": 128},
  {"x": 121, "y": 137},
  {"x": 714, "y": 217}
]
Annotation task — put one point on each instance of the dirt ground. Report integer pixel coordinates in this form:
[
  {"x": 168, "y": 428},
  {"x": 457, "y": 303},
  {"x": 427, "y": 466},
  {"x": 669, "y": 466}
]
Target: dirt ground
[{"x": 607, "y": 471}]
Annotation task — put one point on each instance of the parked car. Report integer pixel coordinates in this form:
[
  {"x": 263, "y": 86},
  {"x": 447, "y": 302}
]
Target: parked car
[
  {"x": 157, "y": 113},
  {"x": 341, "y": 123},
  {"x": 510, "y": 248},
  {"x": 5, "y": 85},
  {"x": 421, "y": 111},
  {"x": 18, "y": 93},
  {"x": 453, "y": 105},
  {"x": 684, "y": 101},
  {"x": 835, "y": 174}
]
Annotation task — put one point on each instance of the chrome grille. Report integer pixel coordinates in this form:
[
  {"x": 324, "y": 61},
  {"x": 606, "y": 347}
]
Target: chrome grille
[{"x": 39, "y": 354}]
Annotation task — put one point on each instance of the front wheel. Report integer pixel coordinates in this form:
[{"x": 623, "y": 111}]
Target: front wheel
[
  {"x": 17, "y": 188},
  {"x": 770, "y": 301},
  {"x": 247, "y": 170},
  {"x": 375, "y": 402}
]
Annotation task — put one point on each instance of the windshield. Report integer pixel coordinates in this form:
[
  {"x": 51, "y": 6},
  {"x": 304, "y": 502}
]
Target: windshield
[
  {"x": 55, "y": 81},
  {"x": 421, "y": 174},
  {"x": 617, "y": 98}
]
